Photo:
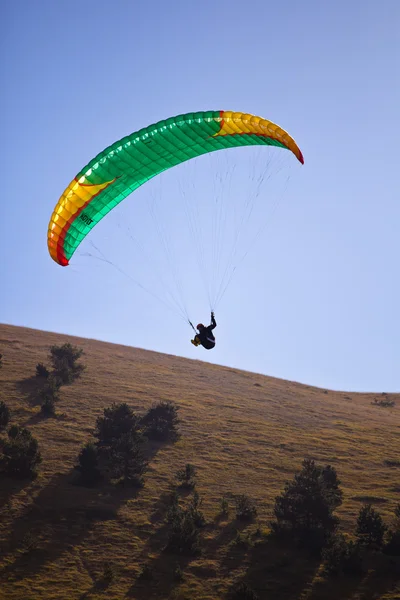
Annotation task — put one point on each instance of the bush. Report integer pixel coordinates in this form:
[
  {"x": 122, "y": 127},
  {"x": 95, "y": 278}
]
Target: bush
[
  {"x": 242, "y": 540},
  {"x": 370, "y": 529},
  {"x": 48, "y": 395},
  {"x": 127, "y": 460},
  {"x": 183, "y": 536},
  {"x": 50, "y": 390},
  {"x": 186, "y": 476},
  {"x": 42, "y": 371},
  {"x": 48, "y": 408},
  {"x": 64, "y": 361},
  {"x": 1, "y": 361},
  {"x": 305, "y": 508},
  {"x": 89, "y": 464},
  {"x": 21, "y": 455},
  {"x": 195, "y": 512},
  {"x": 4, "y": 415},
  {"x": 245, "y": 508},
  {"x": 342, "y": 557},
  {"x": 161, "y": 422},
  {"x": 117, "y": 421}
]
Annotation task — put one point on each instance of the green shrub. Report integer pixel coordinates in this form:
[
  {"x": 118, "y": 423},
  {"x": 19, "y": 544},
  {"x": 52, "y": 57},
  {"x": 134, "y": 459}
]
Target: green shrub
[
  {"x": 186, "y": 476},
  {"x": 161, "y": 422},
  {"x": 342, "y": 557},
  {"x": 117, "y": 420},
  {"x": 48, "y": 408},
  {"x": 127, "y": 460},
  {"x": 64, "y": 360},
  {"x": 305, "y": 508},
  {"x": 245, "y": 508},
  {"x": 183, "y": 536},
  {"x": 21, "y": 455},
  {"x": 370, "y": 529},
  {"x": 195, "y": 512},
  {"x": 42, "y": 371}
]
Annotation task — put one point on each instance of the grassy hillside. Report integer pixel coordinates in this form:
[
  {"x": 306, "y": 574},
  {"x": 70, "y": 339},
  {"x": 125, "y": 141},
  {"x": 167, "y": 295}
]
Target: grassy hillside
[{"x": 245, "y": 433}]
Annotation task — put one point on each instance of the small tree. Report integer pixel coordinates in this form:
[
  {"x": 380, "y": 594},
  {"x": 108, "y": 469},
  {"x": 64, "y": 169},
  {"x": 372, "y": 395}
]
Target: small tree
[
  {"x": 187, "y": 476},
  {"x": 117, "y": 420},
  {"x": 370, "y": 529},
  {"x": 42, "y": 371},
  {"x": 342, "y": 557},
  {"x": 48, "y": 395},
  {"x": 245, "y": 508},
  {"x": 183, "y": 536},
  {"x": 21, "y": 455},
  {"x": 89, "y": 464},
  {"x": 161, "y": 422},
  {"x": 128, "y": 462},
  {"x": 64, "y": 360},
  {"x": 305, "y": 508},
  {"x": 195, "y": 512},
  {"x": 4, "y": 415}
]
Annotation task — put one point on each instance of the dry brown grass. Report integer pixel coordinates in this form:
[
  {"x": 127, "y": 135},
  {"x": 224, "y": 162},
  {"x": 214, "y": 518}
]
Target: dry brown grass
[{"x": 245, "y": 433}]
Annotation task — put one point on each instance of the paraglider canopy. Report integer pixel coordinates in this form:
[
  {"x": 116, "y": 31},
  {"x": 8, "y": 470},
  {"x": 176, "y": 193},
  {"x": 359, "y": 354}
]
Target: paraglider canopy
[{"x": 126, "y": 165}]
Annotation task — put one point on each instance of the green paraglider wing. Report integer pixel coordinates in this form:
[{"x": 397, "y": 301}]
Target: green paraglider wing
[{"x": 123, "y": 167}]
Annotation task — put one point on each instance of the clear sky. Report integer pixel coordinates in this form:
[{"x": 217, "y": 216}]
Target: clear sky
[{"x": 317, "y": 299}]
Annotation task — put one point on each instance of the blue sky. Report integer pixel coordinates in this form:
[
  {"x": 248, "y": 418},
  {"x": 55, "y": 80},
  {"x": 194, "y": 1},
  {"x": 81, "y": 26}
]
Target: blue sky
[{"x": 317, "y": 298}]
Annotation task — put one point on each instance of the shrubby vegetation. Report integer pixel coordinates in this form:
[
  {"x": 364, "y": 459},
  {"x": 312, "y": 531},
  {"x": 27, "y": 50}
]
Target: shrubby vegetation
[
  {"x": 370, "y": 529},
  {"x": 64, "y": 360},
  {"x": 161, "y": 422},
  {"x": 184, "y": 526},
  {"x": 20, "y": 454},
  {"x": 305, "y": 508},
  {"x": 119, "y": 453},
  {"x": 245, "y": 508},
  {"x": 65, "y": 369},
  {"x": 187, "y": 476}
]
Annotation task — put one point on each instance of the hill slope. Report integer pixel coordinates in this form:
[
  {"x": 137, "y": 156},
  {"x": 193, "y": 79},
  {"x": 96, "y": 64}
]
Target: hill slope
[{"x": 245, "y": 433}]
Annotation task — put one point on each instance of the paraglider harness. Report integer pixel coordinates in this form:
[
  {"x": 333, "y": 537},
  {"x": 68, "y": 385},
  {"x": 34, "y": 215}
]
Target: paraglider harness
[{"x": 205, "y": 336}]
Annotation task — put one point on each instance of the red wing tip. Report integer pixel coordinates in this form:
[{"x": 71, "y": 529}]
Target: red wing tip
[
  {"x": 64, "y": 262},
  {"x": 301, "y": 158}
]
